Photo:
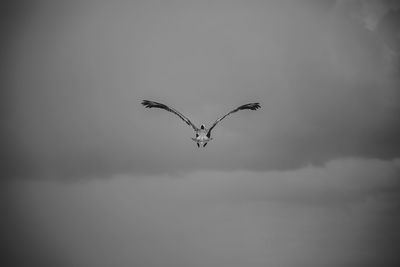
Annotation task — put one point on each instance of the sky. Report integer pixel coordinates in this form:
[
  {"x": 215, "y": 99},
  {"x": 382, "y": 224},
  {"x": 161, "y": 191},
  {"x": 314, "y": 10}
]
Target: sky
[{"x": 91, "y": 178}]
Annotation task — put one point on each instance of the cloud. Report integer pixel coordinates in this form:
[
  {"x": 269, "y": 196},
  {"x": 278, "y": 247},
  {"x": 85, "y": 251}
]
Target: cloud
[
  {"x": 338, "y": 182},
  {"x": 76, "y": 76},
  {"x": 341, "y": 214}
]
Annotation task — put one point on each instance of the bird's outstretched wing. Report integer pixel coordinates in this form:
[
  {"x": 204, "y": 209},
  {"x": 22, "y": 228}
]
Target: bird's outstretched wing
[
  {"x": 153, "y": 104},
  {"x": 251, "y": 106}
]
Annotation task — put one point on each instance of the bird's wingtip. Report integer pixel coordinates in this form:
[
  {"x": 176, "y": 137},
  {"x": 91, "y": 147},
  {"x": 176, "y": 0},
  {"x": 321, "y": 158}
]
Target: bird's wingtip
[
  {"x": 253, "y": 106},
  {"x": 146, "y": 103}
]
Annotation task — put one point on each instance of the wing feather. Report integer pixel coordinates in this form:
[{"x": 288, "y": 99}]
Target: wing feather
[
  {"x": 251, "y": 106},
  {"x": 153, "y": 104}
]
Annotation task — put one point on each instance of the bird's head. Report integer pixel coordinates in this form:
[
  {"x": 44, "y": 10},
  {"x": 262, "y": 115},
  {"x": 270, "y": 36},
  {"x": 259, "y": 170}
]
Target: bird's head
[{"x": 202, "y": 127}]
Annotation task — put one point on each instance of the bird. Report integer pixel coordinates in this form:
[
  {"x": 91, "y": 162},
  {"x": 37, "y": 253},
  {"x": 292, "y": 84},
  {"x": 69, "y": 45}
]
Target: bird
[{"x": 203, "y": 134}]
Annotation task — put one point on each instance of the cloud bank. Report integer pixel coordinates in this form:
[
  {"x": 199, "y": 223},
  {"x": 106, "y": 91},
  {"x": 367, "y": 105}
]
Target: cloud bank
[{"x": 343, "y": 214}]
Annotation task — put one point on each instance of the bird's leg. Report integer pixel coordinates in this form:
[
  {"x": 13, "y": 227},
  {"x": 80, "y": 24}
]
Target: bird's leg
[
  {"x": 198, "y": 145},
  {"x": 205, "y": 144}
]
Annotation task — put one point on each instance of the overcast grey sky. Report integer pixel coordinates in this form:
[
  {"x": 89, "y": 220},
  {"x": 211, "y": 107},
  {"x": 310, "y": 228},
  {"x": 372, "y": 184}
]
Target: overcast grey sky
[{"x": 91, "y": 178}]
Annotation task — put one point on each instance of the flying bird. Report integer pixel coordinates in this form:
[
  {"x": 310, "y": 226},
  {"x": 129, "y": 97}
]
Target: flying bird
[{"x": 203, "y": 135}]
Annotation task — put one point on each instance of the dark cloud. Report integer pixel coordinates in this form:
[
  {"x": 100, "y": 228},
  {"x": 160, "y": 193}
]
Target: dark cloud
[
  {"x": 76, "y": 77},
  {"x": 20, "y": 245},
  {"x": 337, "y": 183},
  {"x": 341, "y": 214}
]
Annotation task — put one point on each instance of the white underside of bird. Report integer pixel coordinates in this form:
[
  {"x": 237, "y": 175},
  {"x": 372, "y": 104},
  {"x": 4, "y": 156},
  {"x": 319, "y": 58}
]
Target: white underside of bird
[{"x": 203, "y": 135}]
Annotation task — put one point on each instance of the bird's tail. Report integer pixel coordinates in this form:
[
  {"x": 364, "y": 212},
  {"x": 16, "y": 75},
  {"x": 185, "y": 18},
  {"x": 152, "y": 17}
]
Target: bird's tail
[{"x": 201, "y": 143}]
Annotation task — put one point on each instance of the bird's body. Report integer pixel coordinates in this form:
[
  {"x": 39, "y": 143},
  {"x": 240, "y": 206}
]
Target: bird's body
[
  {"x": 203, "y": 135},
  {"x": 201, "y": 138}
]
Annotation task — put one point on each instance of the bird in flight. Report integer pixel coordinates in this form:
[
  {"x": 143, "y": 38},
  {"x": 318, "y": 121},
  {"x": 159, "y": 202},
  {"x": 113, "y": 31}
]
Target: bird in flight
[{"x": 203, "y": 135}]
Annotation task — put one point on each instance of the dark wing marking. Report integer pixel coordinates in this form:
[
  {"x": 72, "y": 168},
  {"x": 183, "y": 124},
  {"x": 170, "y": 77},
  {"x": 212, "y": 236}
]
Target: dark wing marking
[
  {"x": 251, "y": 106},
  {"x": 153, "y": 104}
]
